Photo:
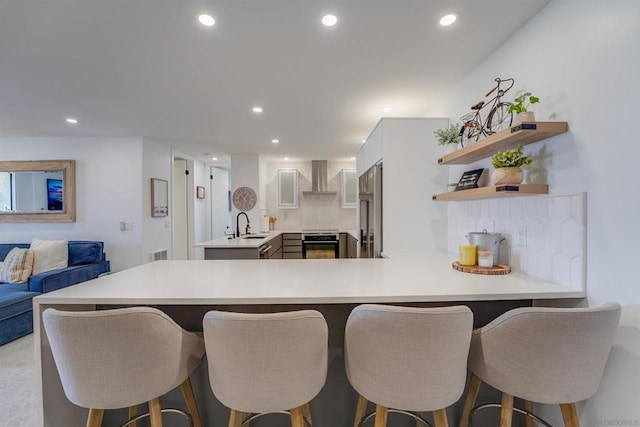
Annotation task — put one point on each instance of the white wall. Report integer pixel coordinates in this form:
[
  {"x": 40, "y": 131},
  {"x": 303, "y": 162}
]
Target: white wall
[
  {"x": 156, "y": 231},
  {"x": 108, "y": 189},
  {"x": 201, "y": 207},
  {"x": 314, "y": 212},
  {"x": 581, "y": 58},
  {"x": 245, "y": 172},
  {"x": 219, "y": 202},
  {"x": 412, "y": 222}
]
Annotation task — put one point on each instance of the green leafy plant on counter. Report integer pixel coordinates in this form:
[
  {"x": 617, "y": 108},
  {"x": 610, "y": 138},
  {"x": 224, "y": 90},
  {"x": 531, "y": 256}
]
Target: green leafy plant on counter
[
  {"x": 450, "y": 135},
  {"x": 510, "y": 158},
  {"x": 522, "y": 103}
]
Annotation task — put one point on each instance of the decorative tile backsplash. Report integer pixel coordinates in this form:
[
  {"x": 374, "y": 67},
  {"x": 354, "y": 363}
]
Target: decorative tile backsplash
[
  {"x": 553, "y": 229},
  {"x": 317, "y": 212}
]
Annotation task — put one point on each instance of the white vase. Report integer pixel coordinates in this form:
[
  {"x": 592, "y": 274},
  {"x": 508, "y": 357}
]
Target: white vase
[
  {"x": 450, "y": 148},
  {"x": 506, "y": 176},
  {"x": 527, "y": 116}
]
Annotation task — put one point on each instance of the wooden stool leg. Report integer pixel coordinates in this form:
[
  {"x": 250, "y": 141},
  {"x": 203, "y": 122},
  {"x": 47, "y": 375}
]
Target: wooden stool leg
[
  {"x": 570, "y": 415},
  {"x": 381, "y": 416},
  {"x": 528, "y": 406},
  {"x": 297, "y": 417},
  {"x": 236, "y": 418},
  {"x": 472, "y": 395},
  {"x": 506, "y": 413},
  {"x": 133, "y": 412},
  {"x": 440, "y": 418},
  {"x": 154, "y": 410},
  {"x": 95, "y": 417},
  {"x": 190, "y": 400},
  {"x": 361, "y": 408},
  {"x": 418, "y": 422},
  {"x": 306, "y": 411}
]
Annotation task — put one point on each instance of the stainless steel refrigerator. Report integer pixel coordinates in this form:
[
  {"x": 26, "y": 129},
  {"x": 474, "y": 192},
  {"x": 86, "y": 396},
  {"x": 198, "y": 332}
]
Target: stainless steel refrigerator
[{"x": 370, "y": 196}]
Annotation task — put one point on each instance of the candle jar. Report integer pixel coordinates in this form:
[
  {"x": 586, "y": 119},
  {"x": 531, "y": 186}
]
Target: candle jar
[
  {"x": 485, "y": 259},
  {"x": 467, "y": 254}
]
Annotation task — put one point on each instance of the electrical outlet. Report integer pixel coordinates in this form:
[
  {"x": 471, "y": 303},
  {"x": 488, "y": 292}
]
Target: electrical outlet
[
  {"x": 126, "y": 225},
  {"x": 521, "y": 236}
]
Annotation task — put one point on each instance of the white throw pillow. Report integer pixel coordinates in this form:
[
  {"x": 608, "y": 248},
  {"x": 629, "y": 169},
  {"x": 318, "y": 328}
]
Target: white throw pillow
[
  {"x": 17, "y": 266},
  {"x": 49, "y": 255}
]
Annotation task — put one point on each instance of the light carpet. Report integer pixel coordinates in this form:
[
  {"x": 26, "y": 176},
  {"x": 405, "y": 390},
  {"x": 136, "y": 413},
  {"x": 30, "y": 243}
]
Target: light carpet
[{"x": 18, "y": 384}]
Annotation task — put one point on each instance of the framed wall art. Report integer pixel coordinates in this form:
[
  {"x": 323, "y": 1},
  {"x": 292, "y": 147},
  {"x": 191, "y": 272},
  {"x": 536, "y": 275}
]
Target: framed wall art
[{"x": 159, "y": 197}]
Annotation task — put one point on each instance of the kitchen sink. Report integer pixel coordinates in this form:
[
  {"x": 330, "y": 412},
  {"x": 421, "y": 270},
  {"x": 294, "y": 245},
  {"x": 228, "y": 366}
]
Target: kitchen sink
[{"x": 254, "y": 236}]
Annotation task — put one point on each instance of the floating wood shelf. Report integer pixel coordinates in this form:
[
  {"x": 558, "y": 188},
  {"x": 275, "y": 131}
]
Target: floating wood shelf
[
  {"x": 493, "y": 192},
  {"x": 521, "y": 133}
]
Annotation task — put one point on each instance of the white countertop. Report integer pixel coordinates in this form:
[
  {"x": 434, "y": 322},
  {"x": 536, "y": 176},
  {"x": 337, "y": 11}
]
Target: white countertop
[
  {"x": 241, "y": 242},
  {"x": 404, "y": 277}
]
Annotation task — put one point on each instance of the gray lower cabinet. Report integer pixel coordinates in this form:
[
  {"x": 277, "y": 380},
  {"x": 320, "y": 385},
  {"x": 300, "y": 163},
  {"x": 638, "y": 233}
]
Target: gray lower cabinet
[
  {"x": 292, "y": 245},
  {"x": 348, "y": 246},
  {"x": 231, "y": 253},
  {"x": 275, "y": 251},
  {"x": 269, "y": 250},
  {"x": 284, "y": 246},
  {"x": 352, "y": 246}
]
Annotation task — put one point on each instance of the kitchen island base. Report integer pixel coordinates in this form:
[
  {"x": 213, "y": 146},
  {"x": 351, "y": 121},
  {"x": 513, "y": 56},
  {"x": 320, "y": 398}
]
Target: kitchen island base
[
  {"x": 186, "y": 290},
  {"x": 333, "y": 407}
]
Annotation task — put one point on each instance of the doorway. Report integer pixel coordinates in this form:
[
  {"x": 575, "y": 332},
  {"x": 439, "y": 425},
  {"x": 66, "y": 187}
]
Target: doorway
[
  {"x": 220, "y": 203},
  {"x": 182, "y": 209}
]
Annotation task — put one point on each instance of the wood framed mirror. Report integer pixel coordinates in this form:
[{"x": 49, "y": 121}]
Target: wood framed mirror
[{"x": 38, "y": 191}]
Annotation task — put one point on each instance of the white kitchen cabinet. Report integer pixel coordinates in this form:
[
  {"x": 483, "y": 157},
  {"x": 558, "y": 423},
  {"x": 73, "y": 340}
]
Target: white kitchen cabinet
[
  {"x": 349, "y": 188},
  {"x": 287, "y": 188},
  {"x": 409, "y": 152}
]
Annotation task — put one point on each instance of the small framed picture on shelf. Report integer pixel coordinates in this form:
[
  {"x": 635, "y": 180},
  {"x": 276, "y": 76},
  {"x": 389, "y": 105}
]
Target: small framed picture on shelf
[
  {"x": 200, "y": 192},
  {"x": 472, "y": 179}
]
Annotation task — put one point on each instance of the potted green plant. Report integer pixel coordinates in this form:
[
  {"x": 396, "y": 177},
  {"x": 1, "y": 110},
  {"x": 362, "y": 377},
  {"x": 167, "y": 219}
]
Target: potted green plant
[
  {"x": 521, "y": 106},
  {"x": 449, "y": 137},
  {"x": 507, "y": 166}
]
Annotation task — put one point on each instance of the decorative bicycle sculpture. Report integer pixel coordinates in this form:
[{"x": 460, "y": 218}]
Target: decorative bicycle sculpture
[{"x": 499, "y": 118}]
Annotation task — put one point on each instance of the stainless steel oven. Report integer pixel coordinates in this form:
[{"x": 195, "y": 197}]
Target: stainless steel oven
[{"x": 320, "y": 245}]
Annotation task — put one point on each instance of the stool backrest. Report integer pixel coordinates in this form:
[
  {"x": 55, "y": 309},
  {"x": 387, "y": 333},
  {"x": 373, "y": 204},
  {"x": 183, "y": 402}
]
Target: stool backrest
[
  {"x": 546, "y": 355},
  {"x": 266, "y": 362},
  {"x": 111, "y": 359},
  {"x": 408, "y": 358}
]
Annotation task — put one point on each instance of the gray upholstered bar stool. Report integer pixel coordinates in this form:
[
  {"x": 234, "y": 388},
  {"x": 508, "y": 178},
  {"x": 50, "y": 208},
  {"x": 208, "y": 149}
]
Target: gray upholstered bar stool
[
  {"x": 120, "y": 358},
  {"x": 408, "y": 360},
  {"x": 543, "y": 355},
  {"x": 266, "y": 363}
]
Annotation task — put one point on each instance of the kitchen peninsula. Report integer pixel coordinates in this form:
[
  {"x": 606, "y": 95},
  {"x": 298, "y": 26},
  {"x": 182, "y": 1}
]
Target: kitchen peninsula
[
  {"x": 187, "y": 289},
  {"x": 287, "y": 244}
]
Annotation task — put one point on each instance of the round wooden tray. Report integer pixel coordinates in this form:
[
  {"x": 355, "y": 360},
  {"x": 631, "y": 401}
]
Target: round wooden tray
[{"x": 492, "y": 271}]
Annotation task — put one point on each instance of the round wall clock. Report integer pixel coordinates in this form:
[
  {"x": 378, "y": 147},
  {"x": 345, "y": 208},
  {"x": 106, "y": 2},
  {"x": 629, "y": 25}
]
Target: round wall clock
[{"x": 244, "y": 198}]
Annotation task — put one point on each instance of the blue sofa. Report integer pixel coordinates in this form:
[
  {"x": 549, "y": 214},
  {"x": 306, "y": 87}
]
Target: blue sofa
[{"x": 87, "y": 261}]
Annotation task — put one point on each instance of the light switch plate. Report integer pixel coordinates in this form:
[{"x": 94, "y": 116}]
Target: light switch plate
[{"x": 521, "y": 236}]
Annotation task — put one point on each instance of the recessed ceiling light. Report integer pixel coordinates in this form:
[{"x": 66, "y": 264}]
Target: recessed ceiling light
[
  {"x": 286, "y": 158},
  {"x": 386, "y": 109},
  {"x": 364, "y": 140},
  {"x": 206, "y": 20},
  {"x": 447, "y": 20},
  {"x": 329, "y": 20},
  {"x": 275, "y": 141},
  {"x": 72, "y": 121},
  {"x": 214, "y": 158},
  {"x": 257, "y": 109},
  {"x": 353, "y": 158}
]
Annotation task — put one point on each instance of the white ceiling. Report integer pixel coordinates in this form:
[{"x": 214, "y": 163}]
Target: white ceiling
[{"x": 149, "y": 68}]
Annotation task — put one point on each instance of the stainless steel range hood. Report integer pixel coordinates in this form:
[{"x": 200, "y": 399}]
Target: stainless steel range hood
[{"x": 319, "y": 184}]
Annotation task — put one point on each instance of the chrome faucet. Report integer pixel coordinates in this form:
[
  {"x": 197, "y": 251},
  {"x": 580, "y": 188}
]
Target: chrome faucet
[{"x": 238, "y": 222}]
